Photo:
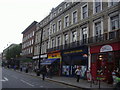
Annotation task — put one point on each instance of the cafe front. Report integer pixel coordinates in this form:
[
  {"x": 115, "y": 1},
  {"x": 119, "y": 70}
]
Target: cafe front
[{"x": 104, "y": 59}]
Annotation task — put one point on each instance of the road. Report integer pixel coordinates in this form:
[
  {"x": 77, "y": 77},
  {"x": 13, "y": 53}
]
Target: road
[{"x": 14, "y": 79}]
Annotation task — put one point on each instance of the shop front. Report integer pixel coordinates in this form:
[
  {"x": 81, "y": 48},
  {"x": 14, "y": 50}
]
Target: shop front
[
  {"x": 72, "y": 58},
  {"x": 36, "y": 61},
  {"x": 53, "y": 61},
  {"x": 104, "y": 59}
]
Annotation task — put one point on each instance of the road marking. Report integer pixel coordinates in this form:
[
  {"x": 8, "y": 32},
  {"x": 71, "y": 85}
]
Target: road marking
[
  {"x": 5, "y": 79},
  {"x": 27, "y": 83},
  {"x": 41, "y": 86}
]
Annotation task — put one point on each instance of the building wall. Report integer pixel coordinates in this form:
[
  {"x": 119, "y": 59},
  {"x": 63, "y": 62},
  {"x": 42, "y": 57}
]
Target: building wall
[
  {"x": 28, "y": 40},
  {"x": 89, "y": 21}
]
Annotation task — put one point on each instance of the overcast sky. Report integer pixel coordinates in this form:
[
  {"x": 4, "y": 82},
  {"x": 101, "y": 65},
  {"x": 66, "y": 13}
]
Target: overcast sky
[{"x": 17, "y": 15}]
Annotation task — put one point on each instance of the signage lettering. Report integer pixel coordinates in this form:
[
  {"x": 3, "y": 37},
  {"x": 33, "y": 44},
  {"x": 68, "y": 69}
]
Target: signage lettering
[
  {"x": 75, "y": 51},
  {"x": 106, "y": 48}
]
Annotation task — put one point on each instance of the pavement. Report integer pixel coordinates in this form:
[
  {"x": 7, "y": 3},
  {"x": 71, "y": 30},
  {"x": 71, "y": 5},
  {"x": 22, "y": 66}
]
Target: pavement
[{"x": 71, "y": 81}]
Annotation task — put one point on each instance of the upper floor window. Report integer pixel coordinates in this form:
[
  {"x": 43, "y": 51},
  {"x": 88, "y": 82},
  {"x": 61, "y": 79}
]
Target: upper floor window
[
  {"x": 112, "y": 2},
  {"x": 84, "y": 11},
  {"x": 53, "y": 28},
  {"x": 58, "y": 41},
  {"x": 59, "y": 25},
  {"x": 114, "y": 22},
  {"x": 60, "y": 9},
  {"x": 54, "y": 14},
  {"x": 65, "y": 38},
  {"x": 53, "y": 43},
  {"x": 74, "y": 36},
  {"x": 43, "y": 33},
  {"x": 74, "y": 17},
  {"x": 97, "y": 28},
  {"x": 84, "y": 35},
  {"x": 97, "y": 6},
  {"x": 47, "y": 46},
  {"x": 66, "y": 5},
  {"x": 48, "y": 33},
  {"x": 66, "y": 21}
]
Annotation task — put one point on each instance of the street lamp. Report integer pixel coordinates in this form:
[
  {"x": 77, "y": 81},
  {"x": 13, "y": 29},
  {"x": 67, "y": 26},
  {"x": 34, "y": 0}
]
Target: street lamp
[{"x": 40, "y": 48}]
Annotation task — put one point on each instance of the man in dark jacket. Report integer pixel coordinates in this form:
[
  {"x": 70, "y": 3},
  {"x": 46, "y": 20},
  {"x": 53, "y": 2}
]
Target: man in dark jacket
[{"x": 43, "y": 72}]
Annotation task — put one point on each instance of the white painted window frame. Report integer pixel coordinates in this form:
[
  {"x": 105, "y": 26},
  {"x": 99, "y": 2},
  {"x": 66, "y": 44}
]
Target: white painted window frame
[
  {"x": 60, "y": 9},
  {"x": 98, "y": 20},
  {"x": 65, "y": 21},
  {"x": 76, "y": 16},
  {"x": 94, "y": 11},
  {"x": 72, "y": 36},
  {"x": 82, "y": 10},
  {"x": 58, "y": 25},
  {"x": 109, "y": 20},
  {"x": 81, "y": 28}
]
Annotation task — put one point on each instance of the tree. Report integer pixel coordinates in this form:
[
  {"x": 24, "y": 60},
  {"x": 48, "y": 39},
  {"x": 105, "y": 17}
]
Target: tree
[{"x": 13, "y": 53}]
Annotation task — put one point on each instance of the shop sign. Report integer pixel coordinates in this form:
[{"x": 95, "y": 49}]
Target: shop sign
[
  {"x": 42, "y": 56},
  {"x": 54, "y": 55},
  {"x": 74, "y": 51},
  {"x": 106, "y": 48}
]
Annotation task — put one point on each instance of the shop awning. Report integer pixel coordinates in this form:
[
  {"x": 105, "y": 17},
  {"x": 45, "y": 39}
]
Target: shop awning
[{"x": 48, "y": 61}]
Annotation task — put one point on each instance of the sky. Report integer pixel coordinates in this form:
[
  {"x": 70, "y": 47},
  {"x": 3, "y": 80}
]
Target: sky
[{"x": 17, "y": 15}]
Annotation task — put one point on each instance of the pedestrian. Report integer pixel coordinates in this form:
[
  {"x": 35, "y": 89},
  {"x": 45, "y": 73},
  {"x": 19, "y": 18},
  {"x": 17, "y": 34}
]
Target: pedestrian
[
  {"x": 78, "y": 73},
  {"x": 114, "y": 77},
  {"x": 43, "y": 72},
  {"x": 14, "y": 67},
  {"x": 47, "y": 69},
  {"x": 21, "y": 68},
  {"x": 50, "y": 71}
]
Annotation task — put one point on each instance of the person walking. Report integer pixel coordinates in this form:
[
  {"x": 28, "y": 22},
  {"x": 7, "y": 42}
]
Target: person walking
[
  {"x": 50, "y": 71},
  {"x": 114, "y": 77},
  {"x": 47, "y": 69},
  {"x": 78, "y": 73},
  {"x": 43, "y": 72}
]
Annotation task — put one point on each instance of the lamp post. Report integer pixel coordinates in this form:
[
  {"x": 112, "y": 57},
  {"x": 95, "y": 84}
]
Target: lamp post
[{"x": 40, "y": 48}]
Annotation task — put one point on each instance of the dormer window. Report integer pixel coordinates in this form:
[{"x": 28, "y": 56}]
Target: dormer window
[
  {"x": 66, "y": 5},
  {"x": 60, "y": 9}
]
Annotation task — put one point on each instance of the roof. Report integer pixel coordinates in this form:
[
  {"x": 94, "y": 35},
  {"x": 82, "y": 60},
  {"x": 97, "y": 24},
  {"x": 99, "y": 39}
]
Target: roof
[{"x": 30, "y": 26}]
